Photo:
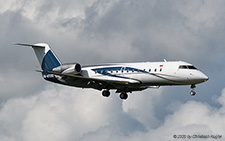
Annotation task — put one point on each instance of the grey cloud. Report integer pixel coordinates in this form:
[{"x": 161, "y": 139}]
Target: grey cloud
[
  {"x": 18, "y": 84},
  {"x": 16, "y": 62},
  {"x": 61, "y": 113},
  {"x": 58, "y": 114},
  {"x": 175, "y": 32}
]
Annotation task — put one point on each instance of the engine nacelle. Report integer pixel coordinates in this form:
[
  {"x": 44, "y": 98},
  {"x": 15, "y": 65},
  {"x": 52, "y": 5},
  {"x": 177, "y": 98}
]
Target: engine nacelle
[{"x": 68, "y": 69}]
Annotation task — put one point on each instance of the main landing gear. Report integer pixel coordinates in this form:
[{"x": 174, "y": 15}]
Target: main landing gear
[
  {"x": 123, "y": 95},
  {"x": 106, "y": 93},
  {"x": 192, "y": 90}
]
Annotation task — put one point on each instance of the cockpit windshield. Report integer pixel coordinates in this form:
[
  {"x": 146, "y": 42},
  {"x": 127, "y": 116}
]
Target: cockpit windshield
[{"x": 187, "y": 67}]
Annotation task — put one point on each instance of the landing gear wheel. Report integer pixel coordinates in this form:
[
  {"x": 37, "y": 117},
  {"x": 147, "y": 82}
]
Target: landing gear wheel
[
  {"x": 123, "y": 95},
  {"x": 192, "y": 90},
  {"x": 106, "y": 93},
  {"x": 192, "y": 93}
]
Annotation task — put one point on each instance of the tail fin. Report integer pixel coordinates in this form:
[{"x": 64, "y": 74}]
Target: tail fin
[{"x": 45, "y": 55}]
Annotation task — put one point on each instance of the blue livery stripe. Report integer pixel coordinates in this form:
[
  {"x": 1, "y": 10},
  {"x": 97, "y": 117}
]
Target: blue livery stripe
[
  {"x": 106, "y": 70},
  {"x": 49, "y": 61}
]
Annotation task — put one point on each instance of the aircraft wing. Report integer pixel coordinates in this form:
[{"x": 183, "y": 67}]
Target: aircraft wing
[{"x": 115, "y": 83}]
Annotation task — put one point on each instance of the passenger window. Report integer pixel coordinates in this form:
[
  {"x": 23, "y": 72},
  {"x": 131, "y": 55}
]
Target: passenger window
[
  {"x": 149, "y": 70},
  {"x": 155, "y": 70},
  {"x": 160, "y": 69}
]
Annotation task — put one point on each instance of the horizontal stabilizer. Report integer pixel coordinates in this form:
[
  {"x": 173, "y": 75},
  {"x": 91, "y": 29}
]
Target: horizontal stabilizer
[{"x": 36, "y": 45}]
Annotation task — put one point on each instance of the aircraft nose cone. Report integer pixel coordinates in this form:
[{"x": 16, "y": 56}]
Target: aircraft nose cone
[{"x": 204, "y": 78}]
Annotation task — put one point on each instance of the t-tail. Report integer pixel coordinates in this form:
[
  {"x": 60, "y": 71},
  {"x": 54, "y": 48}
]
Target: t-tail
[{"x": 45, "y": 55}]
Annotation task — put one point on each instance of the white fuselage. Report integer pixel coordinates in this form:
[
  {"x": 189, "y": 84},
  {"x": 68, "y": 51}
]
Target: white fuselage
[{"x": 147, "y": 73}]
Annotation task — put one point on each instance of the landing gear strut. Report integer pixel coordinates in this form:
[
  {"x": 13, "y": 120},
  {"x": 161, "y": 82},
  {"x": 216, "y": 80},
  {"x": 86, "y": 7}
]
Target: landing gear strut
[
  {"x": 192, "y": 90},
  {"x": 106, "y": 93},
  {"x": 123, "y": 95}
]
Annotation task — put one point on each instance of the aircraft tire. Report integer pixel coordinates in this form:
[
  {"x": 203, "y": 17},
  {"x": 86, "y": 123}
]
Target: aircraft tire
[
  {"x": 192, "y": 93},
  {"x": 124, "y": 95},
  {"x": 106, "y": 93}
]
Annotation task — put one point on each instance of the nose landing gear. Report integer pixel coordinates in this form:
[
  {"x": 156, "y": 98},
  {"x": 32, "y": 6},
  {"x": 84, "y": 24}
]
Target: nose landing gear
[{"x": 192, "y": 90}]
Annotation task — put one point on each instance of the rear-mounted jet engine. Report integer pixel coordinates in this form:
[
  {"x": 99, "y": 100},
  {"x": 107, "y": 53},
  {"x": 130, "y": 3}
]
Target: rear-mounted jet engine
[{"x": 68, "y": 69}]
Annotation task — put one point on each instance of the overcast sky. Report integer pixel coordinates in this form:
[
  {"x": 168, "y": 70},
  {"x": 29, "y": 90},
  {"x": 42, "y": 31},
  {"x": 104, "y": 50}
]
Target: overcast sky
[{"x": 98, "y": 31}]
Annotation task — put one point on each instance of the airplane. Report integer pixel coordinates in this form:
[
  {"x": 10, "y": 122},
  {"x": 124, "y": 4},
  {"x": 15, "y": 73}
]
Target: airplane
[{"x": 122, "y": 77}]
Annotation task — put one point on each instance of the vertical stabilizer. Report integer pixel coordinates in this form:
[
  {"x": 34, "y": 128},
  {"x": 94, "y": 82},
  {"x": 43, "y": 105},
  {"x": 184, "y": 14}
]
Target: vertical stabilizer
[{"x": 45, "y": 55}]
